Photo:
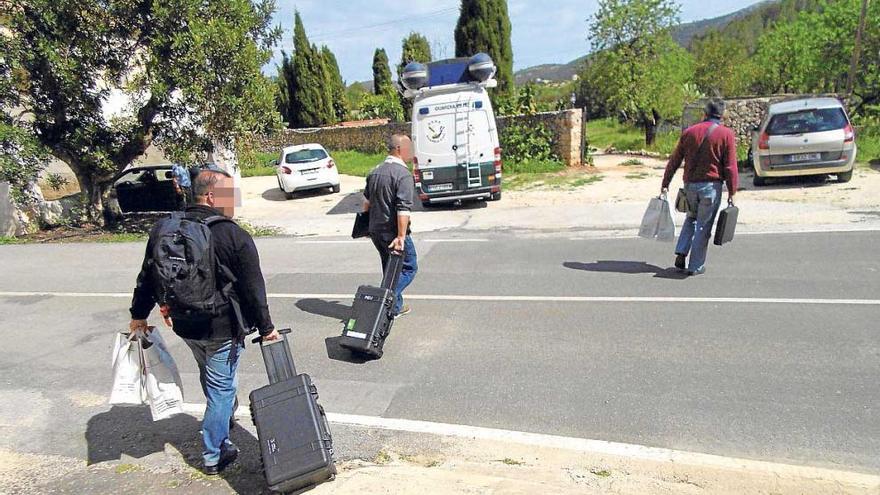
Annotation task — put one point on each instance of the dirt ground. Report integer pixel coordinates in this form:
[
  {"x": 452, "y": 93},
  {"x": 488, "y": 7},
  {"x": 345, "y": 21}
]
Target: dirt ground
[{"x": 612, "y": 204}]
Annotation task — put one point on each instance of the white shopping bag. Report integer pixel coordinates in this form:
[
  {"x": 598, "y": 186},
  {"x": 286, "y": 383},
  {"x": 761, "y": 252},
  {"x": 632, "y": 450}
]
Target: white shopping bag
[
  {"x": 128, "y": 385},
  {"x": 657, "y": 223},
  {"x": 162, "y": 382}
]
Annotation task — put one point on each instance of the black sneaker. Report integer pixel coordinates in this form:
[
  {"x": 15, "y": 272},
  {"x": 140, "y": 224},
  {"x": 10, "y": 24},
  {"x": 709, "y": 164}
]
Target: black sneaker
[
  {"x": 681, "y": 261},
  {"x": 228, "y": 455}
]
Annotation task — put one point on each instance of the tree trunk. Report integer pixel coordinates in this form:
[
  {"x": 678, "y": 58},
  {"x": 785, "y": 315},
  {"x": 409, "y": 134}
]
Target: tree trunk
[{"x": 100, "y": 210}]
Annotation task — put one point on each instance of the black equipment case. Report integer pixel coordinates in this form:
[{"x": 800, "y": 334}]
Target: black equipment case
[
  {"x": 373, "y": 313},
  {"x": 726, "y": 225},
  {"x": 292, "y": 429}
]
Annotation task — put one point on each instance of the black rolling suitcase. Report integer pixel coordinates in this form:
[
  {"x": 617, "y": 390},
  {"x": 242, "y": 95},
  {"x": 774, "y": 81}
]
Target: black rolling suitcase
[
  {"x": 726, "y": 225},
  {"x": 373, "y": 313},
  {"x": 292, "y": 429}
]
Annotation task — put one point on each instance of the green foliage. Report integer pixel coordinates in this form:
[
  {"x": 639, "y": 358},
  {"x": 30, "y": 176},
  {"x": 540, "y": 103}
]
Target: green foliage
[
  {"x": 638, "y": 71},
  {"x": 356, "y": 163},
  {"x": 484, "y": 26},
  {"x": 415, "y": 48},
  {"x": 522, "y": 143},
  {"x": 21, "y": 161},
  {"x": 532, "y": 166},
  {"x": 335, "y": 85},
  {"x": 311, "y": 103},
  {"x": 609, "y": 133},
  {"x": 286, "y": 86},
  {"x": 191, "y": 69},
  {"x": 4, "y": 240},
  {"x": 256, "y": 163},
  {"x": 722, "y": 68},
  {"x": 56, "y": 181},
  {"x": 381, "y": 106},
  {"x": 382, "y": 83}
]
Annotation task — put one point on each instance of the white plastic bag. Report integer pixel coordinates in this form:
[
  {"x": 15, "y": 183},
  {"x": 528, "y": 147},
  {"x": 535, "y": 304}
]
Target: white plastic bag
[
  {"x": 657, "y": 223},
  {"x": 164, "y": 389},
  {"x": 128, "y": 385}
]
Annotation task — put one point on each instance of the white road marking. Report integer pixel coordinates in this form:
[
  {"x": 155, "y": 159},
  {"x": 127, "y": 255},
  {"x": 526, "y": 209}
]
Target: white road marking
[
  {"x": 479, "y": 298},
  {"x": 600, "y": 447},
  {"x": 627, "y": 233}
]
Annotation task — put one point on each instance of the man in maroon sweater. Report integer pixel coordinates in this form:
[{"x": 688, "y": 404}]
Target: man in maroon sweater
[{"x": 707, "y": 165}]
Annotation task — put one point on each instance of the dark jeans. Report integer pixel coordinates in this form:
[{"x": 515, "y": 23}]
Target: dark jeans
[{"x": 410, "y": 263}]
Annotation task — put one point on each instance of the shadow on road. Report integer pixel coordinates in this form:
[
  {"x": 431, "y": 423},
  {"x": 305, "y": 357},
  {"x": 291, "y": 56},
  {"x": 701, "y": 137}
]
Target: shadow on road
[
  {"x": 349, "y": 205},
  {"x": 131, "y": 431},
  {"x": 627, "y": 267},
  {"x": 338, "y": 353},
  {"x": 746, "y": 183},
  {"x": 320, "y": 307},
  {"x": 276, "y": 194}
]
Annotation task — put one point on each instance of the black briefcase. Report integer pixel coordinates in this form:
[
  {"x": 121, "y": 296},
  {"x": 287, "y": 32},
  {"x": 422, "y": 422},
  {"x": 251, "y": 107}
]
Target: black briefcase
[
  {"x": 294, "y": 435},
  {"x": 372, "y": 313},
  {"x": 726, "y": 225},
  {"x": 361, "y": 226}
]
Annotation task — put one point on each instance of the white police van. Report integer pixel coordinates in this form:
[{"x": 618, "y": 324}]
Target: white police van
[{"x": 457, "y": 153}]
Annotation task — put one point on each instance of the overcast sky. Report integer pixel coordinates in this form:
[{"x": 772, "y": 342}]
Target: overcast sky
[{"x": 544, "y": 31}]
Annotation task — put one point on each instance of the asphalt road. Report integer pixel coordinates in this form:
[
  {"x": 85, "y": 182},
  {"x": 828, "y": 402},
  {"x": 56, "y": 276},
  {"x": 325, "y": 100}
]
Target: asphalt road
[{"x": 791, "y": 381}]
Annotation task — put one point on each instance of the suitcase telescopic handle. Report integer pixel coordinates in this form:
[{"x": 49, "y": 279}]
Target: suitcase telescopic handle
[{"x": 259, "y": 338}]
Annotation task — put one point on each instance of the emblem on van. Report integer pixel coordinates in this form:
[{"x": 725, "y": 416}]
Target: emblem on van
[{"x": 436, "y": 131}]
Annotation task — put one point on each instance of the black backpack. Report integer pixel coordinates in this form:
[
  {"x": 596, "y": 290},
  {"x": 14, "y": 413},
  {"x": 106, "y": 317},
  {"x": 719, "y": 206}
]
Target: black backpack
[{"x": 184, "y": 269}]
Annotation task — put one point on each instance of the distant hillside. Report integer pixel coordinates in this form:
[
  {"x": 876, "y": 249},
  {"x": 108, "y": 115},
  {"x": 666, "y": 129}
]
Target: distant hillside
[{"x": 743, "y": 26}]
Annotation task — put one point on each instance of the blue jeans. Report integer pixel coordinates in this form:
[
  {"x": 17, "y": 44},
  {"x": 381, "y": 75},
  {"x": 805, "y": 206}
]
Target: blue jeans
[
  {"x": 704, "y": 199},
  {"x": 218, "y": 361},
  {"x": 410, "y": 264}
]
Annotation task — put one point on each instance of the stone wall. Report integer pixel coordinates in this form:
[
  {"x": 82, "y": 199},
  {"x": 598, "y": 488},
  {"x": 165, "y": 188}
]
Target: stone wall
[
  {"x": 566, "y": 127},
  {"x": 742, "y": 115}
]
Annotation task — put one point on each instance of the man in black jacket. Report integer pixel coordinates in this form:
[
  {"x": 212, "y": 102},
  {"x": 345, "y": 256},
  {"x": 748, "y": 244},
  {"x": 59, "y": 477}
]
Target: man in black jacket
[{"x": 216, "y": 342}]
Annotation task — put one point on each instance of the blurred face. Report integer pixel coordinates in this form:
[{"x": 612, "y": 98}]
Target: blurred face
[
  {"x": 406, "y": 150},
  {"x": 224, "y": 196}
]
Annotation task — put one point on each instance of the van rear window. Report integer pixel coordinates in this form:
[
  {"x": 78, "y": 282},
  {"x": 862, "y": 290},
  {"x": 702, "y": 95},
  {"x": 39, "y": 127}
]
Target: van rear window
[
  {"x": 816, "y": 120},
  {"x": 303, "y": 156}
]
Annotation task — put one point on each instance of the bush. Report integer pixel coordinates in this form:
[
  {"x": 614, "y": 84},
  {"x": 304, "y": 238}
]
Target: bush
[{"x": 522, "y": 143}]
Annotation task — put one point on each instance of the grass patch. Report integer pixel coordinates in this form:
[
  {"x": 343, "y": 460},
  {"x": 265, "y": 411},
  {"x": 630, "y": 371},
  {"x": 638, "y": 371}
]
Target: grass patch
[
  {"x": 260, "y": 230},
  {"x": 258, "y": 164},
  {"x": 637, "y": 176},
  {"x": 382, "y": 457},
  {"x": 357, "y": 163},
  {"x": 632, "y": 162},
  {"x": 119, "y": 237},
  {"x": 868, "y": 147},
  {"x": 128, "y": 468},
  {"x": 602, "y": 473},
  {"x": 555, "y": 181},
  {"x": 609, "y": 133},
  {"x": 533, "y": 167},
  {"x": 511, "y": 462},
  {"x": 10, "y": 240}
]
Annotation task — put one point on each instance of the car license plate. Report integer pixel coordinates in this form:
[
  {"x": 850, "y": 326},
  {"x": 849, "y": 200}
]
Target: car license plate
[
  {"x": 441, "y": 187},
  {"x": 805, "y": 157},
  {"x": 310, "y": 171},
  {"x": 427, "y": 175}
]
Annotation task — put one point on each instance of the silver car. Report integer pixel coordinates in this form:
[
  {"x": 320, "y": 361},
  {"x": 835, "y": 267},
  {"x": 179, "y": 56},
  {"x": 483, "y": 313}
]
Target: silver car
[{"x": 811, "y": 136}]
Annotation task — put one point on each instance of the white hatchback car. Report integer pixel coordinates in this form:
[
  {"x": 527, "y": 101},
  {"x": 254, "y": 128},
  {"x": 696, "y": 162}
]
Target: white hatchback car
[
  {"x": 305, "y": 167},
  {"x": 811, "y": 136}
]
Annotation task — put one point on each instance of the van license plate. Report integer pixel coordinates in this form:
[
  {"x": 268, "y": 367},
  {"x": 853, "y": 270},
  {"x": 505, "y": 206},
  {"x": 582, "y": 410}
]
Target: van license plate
[
  {"x": 427, "y": 175},
  {"x": 441, "y": 187},
  {"x": 806, "y": 157}
]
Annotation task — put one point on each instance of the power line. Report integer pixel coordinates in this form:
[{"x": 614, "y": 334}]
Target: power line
[{"x": 331, "y": 34}]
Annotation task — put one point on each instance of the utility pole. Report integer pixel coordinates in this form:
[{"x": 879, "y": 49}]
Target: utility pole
[{"x": 857, "y": 48}]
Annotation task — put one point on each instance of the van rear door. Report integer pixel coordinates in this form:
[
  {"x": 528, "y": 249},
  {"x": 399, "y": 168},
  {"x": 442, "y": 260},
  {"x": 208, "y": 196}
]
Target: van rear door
[{"x": 441, "y": 142}]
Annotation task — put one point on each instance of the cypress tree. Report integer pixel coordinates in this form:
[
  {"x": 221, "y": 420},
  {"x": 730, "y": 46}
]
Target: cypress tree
[
  {"x": 286, "y": 81},
  {"x": 484, "y": 26},
  {"x": 309, "y": 103},
  {"x": 338, "y": 102},
  {"x": 415, "y": 48},
  {"x": 382, "y": 83}
]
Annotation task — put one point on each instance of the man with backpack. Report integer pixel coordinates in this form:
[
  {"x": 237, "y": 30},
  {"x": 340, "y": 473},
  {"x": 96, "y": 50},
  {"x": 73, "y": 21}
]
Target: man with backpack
[
  {"x": 708, "y": 150},
  {"x": 203, "y": 271}
]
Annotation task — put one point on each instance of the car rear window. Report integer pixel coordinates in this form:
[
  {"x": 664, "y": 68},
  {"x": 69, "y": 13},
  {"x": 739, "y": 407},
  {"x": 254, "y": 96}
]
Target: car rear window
[
  {"x": 303, "y": 156},
  {"x": 816, "y": 120}
]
